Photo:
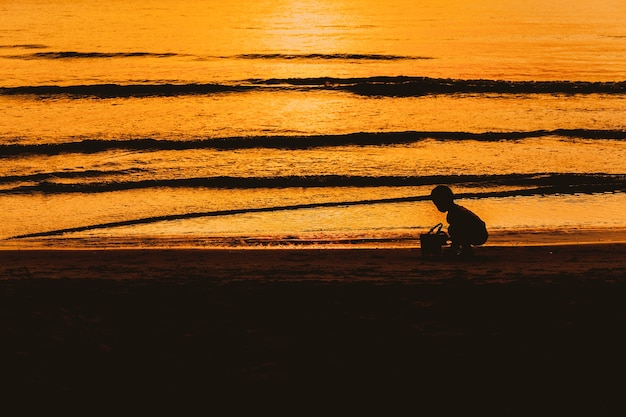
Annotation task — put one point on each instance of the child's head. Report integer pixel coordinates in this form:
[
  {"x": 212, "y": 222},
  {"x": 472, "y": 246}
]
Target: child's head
[{"x": 443, "y": 197}]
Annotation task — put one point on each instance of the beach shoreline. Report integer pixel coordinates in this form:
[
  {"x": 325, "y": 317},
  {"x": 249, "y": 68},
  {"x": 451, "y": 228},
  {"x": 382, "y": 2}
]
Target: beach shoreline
[
  {"x": 504, "y": 264},
  {"x": 516, "y": 330},
  {"x": 513, "y": 237}
]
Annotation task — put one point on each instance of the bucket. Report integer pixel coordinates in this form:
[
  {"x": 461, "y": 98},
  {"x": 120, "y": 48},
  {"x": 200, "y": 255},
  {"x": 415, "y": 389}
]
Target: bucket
[{"x": 432, "y": 241}]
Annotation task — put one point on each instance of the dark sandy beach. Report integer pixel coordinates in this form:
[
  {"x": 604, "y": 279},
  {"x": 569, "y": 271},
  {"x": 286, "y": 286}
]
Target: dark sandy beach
[{"x": 536, "y": 330}]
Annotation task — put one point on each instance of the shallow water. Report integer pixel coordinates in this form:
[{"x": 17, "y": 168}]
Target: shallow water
[{"x": 312, "y": 120}]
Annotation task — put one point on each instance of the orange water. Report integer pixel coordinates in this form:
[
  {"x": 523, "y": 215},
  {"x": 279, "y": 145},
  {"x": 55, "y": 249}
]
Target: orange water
[{"x": 156, "y": 42}]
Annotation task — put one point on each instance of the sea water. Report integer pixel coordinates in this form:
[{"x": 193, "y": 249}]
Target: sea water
[{"x": 152, "y": 122}]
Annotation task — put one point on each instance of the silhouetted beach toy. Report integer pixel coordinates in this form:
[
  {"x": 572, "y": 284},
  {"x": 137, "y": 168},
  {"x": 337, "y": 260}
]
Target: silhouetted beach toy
[{"x": 432, "y": 241}]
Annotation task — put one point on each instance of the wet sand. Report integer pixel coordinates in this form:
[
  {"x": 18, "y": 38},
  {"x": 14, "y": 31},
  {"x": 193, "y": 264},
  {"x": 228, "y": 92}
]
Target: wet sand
[{"x": 518, "y": 330}]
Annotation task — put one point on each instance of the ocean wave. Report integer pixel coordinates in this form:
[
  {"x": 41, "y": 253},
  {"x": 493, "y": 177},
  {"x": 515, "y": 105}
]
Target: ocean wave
[
  {"x": 416, "y": 86},
  {"x": 90, "y": 146},
  {"x": 553, "y": 184},
  {"x": 548, "y": 183},
  {"x": 43, "y": 177},
  {"x": 52, "y": 55},
  {"x": 122, "y": 90},
  {"x": 24, "y": 46},
  {"x": 419, "y": 86},
  {"x": 87, "y": 55},
  {"x": 369, "y": 86},
  {"x": 349, "y": 57}
]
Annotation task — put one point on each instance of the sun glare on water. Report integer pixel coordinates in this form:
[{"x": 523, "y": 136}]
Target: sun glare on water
[{"x": 304, "y": 27}]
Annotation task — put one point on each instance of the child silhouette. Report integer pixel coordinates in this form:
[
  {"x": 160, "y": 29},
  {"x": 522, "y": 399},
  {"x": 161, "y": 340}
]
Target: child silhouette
[{"x": 465, "y": 228}]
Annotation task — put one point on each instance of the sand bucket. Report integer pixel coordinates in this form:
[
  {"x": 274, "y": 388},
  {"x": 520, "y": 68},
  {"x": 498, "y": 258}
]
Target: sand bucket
[{"x": 432, "y": 241}]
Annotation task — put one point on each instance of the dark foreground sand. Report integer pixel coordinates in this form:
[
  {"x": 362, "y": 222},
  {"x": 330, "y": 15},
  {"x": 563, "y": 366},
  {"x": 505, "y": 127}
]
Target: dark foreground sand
[{"x": 516, "y": 331}]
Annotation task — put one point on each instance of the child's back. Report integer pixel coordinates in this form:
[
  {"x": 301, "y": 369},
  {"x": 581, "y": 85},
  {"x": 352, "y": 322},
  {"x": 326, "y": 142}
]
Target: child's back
[{"x": 465, "y": 228}]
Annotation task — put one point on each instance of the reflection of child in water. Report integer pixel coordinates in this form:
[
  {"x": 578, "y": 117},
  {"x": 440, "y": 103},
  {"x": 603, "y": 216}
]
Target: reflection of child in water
[{"x": 465, "y": 228}]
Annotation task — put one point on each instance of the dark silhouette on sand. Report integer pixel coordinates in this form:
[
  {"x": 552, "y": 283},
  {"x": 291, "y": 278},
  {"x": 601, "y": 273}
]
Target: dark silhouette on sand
[{"x": 465, "y": 228}]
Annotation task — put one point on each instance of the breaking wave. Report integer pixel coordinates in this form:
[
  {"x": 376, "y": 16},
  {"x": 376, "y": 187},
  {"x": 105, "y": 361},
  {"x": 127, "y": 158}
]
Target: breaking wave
[
  {"x": 90, "y": 146},
  {"x": 369, "y": 86},
  {"x": 52, "y": 55},
  {"x": 350, "y": 57},
  {"x": 529, "y": 184},
  {"x": 87, "y": 55}
]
